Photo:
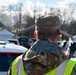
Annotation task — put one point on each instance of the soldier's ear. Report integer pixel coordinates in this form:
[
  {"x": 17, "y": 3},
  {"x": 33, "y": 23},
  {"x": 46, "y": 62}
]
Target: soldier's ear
[
  {"x": 36, "y": 35},
  {"x": 58, "y": 36}
]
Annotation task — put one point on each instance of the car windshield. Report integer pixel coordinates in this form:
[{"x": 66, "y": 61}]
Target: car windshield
[
  {"x": 5, "y": 60},
  {"x": 23, "y": 39},
  {"x": 12, "y": 41}
]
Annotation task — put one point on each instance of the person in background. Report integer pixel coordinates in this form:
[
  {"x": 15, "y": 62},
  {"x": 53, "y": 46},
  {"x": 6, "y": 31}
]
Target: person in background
[{"x": 44, "y": 56}]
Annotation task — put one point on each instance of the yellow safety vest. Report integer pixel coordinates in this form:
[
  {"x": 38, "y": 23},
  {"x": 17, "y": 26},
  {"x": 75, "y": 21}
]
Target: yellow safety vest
[{"x": 67, "y": 71}]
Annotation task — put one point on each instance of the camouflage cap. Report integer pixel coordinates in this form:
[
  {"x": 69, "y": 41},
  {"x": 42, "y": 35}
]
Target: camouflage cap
[{"x": 48, "y": 24}]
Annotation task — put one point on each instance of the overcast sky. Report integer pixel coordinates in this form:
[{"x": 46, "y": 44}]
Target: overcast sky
[
  {"x": 40, "y": 4},
  {"x": 43, "y": 4},
  {"x": 46, "y": 2}
]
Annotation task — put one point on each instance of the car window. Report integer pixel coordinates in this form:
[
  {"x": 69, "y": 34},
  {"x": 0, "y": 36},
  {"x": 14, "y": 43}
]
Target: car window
[
  {"x": 73, "y": 47},
  {"x": 5, "y": 60},
  {"x": 64, "y": 44},
  {"x": 33, "y": 39},
  {"x": 23, "y": 39},
  {"x": 12, "y": 41},
  {"x": 24, "y": 42}
]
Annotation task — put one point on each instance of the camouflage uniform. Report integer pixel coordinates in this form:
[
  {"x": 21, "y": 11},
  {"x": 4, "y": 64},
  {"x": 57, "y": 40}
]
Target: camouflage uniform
[{"x": 42, "y": 57}]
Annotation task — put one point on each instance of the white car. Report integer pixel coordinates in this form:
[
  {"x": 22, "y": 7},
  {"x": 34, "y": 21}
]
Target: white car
[{"x": 8, "y": 52}]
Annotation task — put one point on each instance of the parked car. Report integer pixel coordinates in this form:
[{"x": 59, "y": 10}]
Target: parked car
[
  {"x": 15, "y": 41},
  {"x": 8, "y": 52},
  {"x": 62, "y": 43},
  {"x": 68, "y": 48},
  {"x": 73, "y": 48},
  {"x": 58, "y": 43},
  {"x": 31, "y": 41},
  {"x": 24, "y": 42}
]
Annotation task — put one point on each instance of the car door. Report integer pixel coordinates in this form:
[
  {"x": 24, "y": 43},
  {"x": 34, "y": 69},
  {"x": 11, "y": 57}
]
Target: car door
[{"x": 6, "y": 59}]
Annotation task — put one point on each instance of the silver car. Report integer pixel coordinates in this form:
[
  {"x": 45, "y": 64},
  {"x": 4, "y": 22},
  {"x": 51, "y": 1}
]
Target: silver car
[{"x": 8, "y": 52}]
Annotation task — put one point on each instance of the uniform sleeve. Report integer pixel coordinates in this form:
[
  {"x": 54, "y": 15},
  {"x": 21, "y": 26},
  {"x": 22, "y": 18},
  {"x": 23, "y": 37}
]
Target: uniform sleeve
[{"x": 74, "y": 71}]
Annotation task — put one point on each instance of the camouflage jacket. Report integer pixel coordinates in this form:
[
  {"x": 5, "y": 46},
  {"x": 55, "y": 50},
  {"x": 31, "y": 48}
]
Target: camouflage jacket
[{"x": 40, "y": 45}]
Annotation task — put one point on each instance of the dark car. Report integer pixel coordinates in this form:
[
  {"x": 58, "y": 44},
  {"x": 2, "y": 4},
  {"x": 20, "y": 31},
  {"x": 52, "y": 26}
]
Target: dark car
[
  {"x": 73, "y": 49},
  {"x": 24, "y": 42},
  {"x": 33, "y": 39}
]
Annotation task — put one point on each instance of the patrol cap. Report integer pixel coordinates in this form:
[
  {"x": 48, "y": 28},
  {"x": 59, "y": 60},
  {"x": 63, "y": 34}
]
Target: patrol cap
[{"x": 48, "y": 24}]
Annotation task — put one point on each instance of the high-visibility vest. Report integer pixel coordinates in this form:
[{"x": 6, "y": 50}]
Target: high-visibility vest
[{"x": 64, "y": 69}]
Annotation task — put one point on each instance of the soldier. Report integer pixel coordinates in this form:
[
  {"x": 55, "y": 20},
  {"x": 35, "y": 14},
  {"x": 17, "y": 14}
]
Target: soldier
[{"x": 44, "y": 55}]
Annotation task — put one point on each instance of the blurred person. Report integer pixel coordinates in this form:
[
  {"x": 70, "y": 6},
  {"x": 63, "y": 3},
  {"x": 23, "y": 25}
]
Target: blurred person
[{"x": 44, "y": 56}]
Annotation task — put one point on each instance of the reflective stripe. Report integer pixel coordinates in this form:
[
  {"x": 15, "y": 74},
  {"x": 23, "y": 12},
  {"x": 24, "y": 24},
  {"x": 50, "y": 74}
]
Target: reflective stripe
[
  {"x": 69, "y": 66},
  {"x": 23, "y": 72},
  {"x": 14, "y": 66},
  {"x": 64, "y": 69},
  {"x": 19, "y": 66},
  {"x": 20, "y": 69},
  {"x": 53, "y": 72},
  {"x": 61, "y": 68},
  {"x": 74, "y": 59}
]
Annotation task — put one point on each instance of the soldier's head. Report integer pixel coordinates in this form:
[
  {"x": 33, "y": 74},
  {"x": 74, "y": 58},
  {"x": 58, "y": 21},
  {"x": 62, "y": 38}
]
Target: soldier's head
[{"x": 47, "y": 28}]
